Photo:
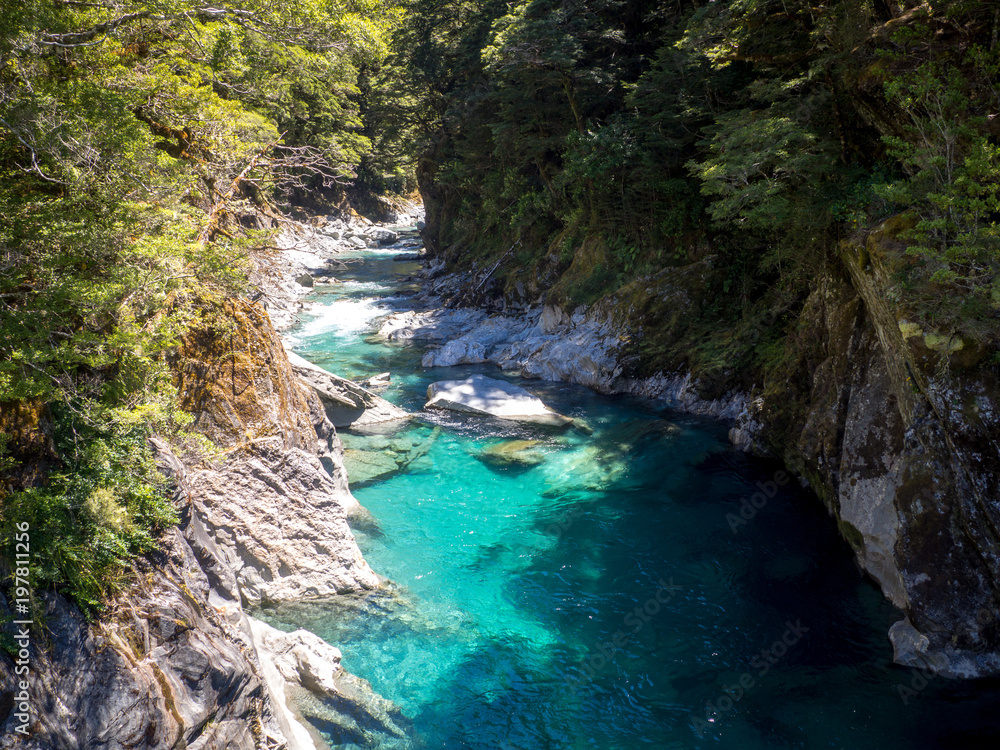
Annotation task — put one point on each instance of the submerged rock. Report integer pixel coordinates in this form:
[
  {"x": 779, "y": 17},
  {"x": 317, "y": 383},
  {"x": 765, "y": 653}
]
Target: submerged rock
[
  {"x": 373, "y": 457},
  {"x": 365, "y": 466},
  {"x": 379, "y": 381},
  {"x": 591, "y": 468},
  {"x": 513, "y": 453},
  {"x": 495, "y": 398}
]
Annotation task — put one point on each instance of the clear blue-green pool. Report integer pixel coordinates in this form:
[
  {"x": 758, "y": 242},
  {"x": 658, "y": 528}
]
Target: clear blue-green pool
[{"x": 600, "y": 597}]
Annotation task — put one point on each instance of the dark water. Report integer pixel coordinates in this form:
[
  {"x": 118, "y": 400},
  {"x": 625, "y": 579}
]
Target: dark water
[{"x": 605, "y": 596}]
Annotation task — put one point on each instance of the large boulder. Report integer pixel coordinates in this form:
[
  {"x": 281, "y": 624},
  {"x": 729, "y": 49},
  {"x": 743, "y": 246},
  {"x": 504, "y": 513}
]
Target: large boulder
[
  {"x": 306, "y": 675},
  {"x": 494, "y": 398},
  {"x": 383, "y": 236},
  {"x": 347, "y": 404}
]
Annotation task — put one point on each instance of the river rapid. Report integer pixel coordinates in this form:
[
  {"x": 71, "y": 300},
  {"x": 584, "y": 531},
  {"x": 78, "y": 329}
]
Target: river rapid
[{"x": 636, "y": 583}]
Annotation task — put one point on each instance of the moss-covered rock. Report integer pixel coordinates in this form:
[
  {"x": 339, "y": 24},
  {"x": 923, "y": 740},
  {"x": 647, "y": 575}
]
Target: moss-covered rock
[
  {"x": 891, "y": 421},
  {"x": 513, "y": 454},
  {"x": 232, "y": 373}
]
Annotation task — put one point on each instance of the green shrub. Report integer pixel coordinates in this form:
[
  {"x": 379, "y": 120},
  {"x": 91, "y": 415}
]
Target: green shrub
[{"x": 106, "y": 504}]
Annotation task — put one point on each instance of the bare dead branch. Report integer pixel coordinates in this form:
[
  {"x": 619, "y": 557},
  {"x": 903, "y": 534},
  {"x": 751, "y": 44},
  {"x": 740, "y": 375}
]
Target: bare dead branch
[
  {"x": 211, "y": 226},
  {"x": 293, "y": 167},
  {"x": 83, "y": 38},
  {"x": 34, "y": 154}
]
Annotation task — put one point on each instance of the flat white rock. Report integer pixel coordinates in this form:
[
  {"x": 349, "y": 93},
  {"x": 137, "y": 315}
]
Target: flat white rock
[{"x": 489, "y": 397}]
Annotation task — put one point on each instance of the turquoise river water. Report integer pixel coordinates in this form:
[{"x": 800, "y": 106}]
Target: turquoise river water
[{"x": 602, "y": 597}]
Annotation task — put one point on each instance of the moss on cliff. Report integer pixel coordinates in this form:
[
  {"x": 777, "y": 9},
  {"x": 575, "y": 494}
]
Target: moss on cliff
[{"x": 232, "y": 373}]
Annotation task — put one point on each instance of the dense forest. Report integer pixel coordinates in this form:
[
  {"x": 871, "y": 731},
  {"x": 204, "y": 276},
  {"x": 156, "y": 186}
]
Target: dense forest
[
  {"x": 594, "y": 143},
  {"x": 575, "y": 149}
]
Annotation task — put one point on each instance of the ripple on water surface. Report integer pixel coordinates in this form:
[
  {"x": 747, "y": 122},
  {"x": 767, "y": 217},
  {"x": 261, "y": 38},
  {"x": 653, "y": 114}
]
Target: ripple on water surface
[{"x": 595, "y": 595}]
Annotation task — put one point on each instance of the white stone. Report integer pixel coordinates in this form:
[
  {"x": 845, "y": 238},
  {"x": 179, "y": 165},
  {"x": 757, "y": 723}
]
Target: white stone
[
  {"x": 476, "y": 345},
  {"x": 271, "y": 653},
  {"x": 490, "y": 397},
  {"x": 553, "y": 318}
]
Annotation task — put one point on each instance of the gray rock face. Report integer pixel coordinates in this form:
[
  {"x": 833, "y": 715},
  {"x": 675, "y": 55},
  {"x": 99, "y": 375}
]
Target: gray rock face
[
  {"x": 481, "y": 342},
  {"x": 907, "y": 465},
  {"x": 174, "y": 665},
  {"x": 485, "y": 396},
  {"x": 305, "y": 663},
  {"x": 280, "y": 521},
  {"x": 175, "y": 662},
  {"x": 430, "y": 325}
]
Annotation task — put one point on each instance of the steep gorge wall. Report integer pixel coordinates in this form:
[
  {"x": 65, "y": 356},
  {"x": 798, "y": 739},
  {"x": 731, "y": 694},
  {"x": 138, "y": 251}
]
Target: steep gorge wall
[
  {"x": 898, "y": 435},
  {"x": 177, "y": 661}
]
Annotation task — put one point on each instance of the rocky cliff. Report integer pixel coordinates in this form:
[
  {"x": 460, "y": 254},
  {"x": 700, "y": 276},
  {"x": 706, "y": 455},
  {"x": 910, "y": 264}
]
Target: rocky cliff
[
  {"x": 178, "y": 661},
  {"x": 893, "y": 426},
  {"x": 897, "y": 433}
]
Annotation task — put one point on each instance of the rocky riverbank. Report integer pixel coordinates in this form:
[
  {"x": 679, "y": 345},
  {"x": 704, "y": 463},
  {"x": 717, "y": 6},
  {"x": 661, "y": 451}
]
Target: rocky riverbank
[
  {"x": 178, "y": 661},
  {"x": 586, "y": 347},
  {"x": 306, "y": 257}
]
